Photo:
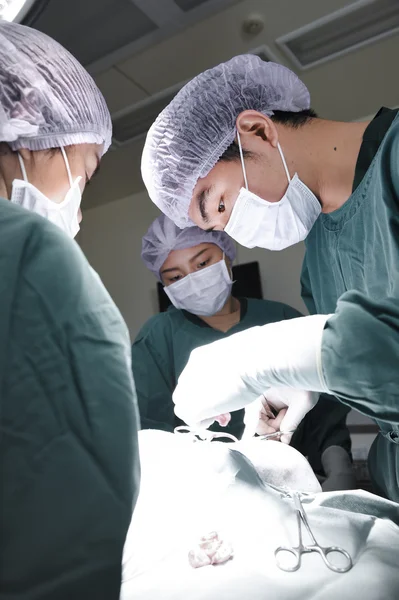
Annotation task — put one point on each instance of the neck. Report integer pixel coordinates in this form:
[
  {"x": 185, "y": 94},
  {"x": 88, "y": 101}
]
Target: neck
[
  {"x": 231, "y": 306},
  {"x": 226, "y": 318},
  {"x": 324, "y": 154},
  {"x": 3, "y": 189},
  {"x": 9, "y": 170}
]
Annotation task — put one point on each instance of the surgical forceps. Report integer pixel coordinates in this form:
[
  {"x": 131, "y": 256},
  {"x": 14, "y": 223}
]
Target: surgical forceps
[
  {"x": 206, "y": 435},
  {"x": 276, "y": 434},
  {"x": 297, "y": 551},
  {"x": 213, "y": 435}
]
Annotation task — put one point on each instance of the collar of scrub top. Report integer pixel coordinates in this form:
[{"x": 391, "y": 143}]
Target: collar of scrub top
[{"x": 372, "y": 138}]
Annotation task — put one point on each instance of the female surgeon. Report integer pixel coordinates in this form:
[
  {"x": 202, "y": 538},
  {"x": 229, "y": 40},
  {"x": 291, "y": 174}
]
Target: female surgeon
[
  {"x": 239, "y": 149},
  {"x": 195, "y": 268},
  {"x": 68, "y": 443}
]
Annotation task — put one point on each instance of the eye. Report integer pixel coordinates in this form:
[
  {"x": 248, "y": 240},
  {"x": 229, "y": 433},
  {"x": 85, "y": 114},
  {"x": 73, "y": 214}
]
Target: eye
[
  {"x": 221, "y": 207},
  {"x": 175, "y": 278},
  {"x": 203, "y": 263}
]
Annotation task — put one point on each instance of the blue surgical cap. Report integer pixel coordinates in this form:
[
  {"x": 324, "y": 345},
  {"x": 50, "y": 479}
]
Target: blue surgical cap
[
  {"x": 196, "y": 128},
  {"x": 163, "y": 236}
]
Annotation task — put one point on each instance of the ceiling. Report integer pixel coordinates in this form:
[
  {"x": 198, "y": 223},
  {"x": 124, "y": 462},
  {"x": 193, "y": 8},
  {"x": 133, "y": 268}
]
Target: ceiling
[{"x": 139, "y": 48}]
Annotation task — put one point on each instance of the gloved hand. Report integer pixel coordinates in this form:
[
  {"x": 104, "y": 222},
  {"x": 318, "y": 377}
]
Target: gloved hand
[
  {"x": 299, "y": 402},
  {"x": 338, "y": 468},
  {"x": 229, "y": 374}
]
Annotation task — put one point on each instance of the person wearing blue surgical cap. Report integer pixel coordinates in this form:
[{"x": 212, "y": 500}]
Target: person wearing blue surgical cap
[
  {"x": 68, "y": 429},
  {"x": 239, "y": 149},
  {"x": 195, "y": 268}
]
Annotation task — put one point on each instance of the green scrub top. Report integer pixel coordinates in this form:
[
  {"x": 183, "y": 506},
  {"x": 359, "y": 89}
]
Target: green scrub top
[
  {"x": 162, "y": 349},
  {"x": 68, "y": 430},
  {"x": 351, "y": 268}
]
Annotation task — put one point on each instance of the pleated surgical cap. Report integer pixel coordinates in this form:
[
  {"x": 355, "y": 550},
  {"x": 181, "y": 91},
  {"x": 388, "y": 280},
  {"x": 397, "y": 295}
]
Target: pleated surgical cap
[
  {"x": 196, "y": 128},
  {"x": 163, "y": 236},
  {"x": 47, "y": 99}
]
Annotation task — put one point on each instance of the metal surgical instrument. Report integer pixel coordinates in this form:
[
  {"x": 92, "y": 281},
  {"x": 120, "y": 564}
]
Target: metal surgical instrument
[{"x": 297, "y": 551}]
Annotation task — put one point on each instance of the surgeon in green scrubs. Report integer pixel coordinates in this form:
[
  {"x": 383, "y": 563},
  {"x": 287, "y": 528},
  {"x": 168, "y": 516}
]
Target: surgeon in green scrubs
[
  {"x": 195, "y": 268},
  {"x": 68, "y": 428},
  {"x": 239, "y": 149}
]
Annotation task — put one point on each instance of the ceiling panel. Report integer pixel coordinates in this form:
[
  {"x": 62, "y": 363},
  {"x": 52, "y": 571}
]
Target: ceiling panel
[
  {"x": 91, "y": 29},
  {"x": 119, "y": 91},
  {"x": 346, "y": 88},
  {"x": 217, "y": 39},
  {"x": 187, "y": 5},
  {"x": 358, "y": 84}
]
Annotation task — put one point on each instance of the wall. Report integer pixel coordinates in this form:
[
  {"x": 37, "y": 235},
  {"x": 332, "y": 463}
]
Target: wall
[{"x": 111, "y": 239}]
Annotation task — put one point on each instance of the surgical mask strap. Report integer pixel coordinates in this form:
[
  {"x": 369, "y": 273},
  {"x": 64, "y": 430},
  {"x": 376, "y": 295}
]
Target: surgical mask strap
[
  {"x": 23, "y": 170},
  {"x": 25, "y": 175},
  {"x": 284, "y": 163},
  {"x": 67, "y": 166},
  {"x": 242, "y": 159},
  {"x": 243, "y": 165}
]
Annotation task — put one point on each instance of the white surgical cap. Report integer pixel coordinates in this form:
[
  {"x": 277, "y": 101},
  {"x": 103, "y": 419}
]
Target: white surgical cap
[
  {"x": 163, "y": 236},
  {"x": 196, "y": 128},
  {"x": 47, "y": 99}
]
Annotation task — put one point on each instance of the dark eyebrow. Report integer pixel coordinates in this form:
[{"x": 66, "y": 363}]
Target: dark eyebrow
[
  {"x": 202, "y": 199},
  {"x": 169, "y": 270},
  {"x": 198, "y": 254}
]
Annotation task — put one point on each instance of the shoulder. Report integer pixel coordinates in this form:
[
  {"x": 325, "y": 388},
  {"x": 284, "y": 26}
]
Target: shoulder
[
  {"x": 161, "y": 324},
  {"x": 389, "y": 148},
  {"x": 270, "y": 311},
  {"x": 49, "y": 271},
  {"x": 384, "y": 171}
]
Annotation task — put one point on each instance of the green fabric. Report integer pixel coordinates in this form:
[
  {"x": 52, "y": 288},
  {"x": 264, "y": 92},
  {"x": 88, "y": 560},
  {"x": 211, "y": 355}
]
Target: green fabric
[
  {"x": 68, "y": 447},
  {"x": 162, "y": 349},
  {"x": 352, "y": 268}
]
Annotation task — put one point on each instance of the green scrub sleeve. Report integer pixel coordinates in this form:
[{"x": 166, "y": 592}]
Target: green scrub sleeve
[
  {"x": 360, "y": 354},
  {"x": 325, "y": 425},
  {"x": 154, "y": 380},
  {"x": 70, "y": 464}
]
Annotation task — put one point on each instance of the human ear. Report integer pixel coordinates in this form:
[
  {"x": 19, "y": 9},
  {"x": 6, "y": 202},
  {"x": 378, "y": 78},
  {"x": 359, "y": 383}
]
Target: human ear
[{"x": 253, "y": 123}]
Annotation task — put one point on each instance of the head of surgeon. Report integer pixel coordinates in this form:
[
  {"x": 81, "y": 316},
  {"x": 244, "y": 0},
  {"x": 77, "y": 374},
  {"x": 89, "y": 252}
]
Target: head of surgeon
[
  {"x": 220, "y": 155},
  {"x": 193, "y": 265},
  {"x": 54, "y": 126}
]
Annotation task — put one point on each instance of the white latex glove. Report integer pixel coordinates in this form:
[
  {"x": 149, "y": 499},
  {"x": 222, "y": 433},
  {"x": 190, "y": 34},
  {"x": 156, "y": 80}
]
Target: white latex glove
[
  {"x": 291, "y": 405},
  {"x": 229, "y": 374}
]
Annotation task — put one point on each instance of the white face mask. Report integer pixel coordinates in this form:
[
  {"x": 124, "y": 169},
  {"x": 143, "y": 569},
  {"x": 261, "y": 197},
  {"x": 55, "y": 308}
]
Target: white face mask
[
  {"x": 255, "y": 222},
  {"x": 204, "y": 292},
  {"x": 64, "y": 214}
]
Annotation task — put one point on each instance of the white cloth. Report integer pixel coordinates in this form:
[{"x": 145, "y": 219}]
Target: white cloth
[{"x": 189, "y": 489}]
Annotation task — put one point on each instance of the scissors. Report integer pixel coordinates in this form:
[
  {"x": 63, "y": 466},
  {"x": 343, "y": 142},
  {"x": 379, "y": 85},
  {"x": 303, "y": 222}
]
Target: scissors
[{"x": 297, "y": 551}]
